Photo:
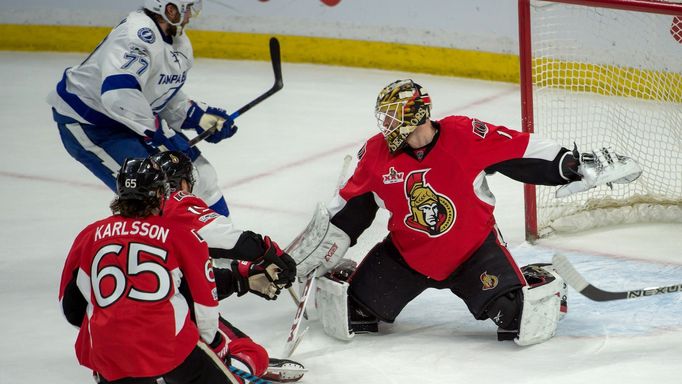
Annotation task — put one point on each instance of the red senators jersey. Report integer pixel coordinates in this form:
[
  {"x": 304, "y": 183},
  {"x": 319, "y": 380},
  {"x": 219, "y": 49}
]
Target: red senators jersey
[
  {"x": 441, "y": 207},
  {"x": 128, "y": 270},
  {"x": 214, "y": 228}
]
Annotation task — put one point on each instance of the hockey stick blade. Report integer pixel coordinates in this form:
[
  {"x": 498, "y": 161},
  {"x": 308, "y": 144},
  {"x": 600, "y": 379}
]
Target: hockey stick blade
[
  {"x": 298, "y": 341},
  {"x": 575, "y": 280},
  {"x": 279, "y": 84}
]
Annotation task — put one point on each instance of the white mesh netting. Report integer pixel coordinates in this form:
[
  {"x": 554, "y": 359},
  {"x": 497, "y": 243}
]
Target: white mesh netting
[{"x": 605, "y": 77}]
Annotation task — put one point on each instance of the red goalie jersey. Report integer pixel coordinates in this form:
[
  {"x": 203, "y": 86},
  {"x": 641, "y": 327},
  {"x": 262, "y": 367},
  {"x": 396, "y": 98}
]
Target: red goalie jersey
[
  {"x": 440, "y": 205},
  {"x": 128, "y": 270}
]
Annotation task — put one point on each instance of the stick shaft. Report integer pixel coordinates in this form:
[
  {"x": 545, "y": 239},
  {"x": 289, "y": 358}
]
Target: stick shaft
[
  {"x": 578, "y": 282},
  {"x": 279, "y": 84}
]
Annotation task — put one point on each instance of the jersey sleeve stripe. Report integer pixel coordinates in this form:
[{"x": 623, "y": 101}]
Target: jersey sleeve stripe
[
  {"x": 90, "y": 115},
  {"x": 543, "y": 149},
  {"x": 120, "y": 81}
]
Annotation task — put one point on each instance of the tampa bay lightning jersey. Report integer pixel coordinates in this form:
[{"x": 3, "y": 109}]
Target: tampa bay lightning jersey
[{"x": 134, "y": 73}]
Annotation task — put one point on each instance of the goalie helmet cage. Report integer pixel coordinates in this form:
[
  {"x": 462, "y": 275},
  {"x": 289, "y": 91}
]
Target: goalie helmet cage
[{"x": 604, "y": 73}]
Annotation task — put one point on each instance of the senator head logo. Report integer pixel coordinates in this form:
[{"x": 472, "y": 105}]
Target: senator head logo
[{"x": 430, "y": 212}]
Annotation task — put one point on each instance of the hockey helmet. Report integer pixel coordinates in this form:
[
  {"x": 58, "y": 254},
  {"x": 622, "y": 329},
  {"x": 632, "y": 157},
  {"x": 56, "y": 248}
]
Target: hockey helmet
[
  {"x": 177, "y": 167},
  {"x": 401, "y": 106},
  {"x": 159, "y": 7},
  {"x": 140, "y": 179}
]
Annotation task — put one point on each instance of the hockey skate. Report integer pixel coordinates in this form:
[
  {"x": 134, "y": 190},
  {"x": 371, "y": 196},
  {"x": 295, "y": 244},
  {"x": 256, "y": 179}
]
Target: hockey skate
[
  {"x": 284, "y": 371},
  {"x": 361, "y": 321}
]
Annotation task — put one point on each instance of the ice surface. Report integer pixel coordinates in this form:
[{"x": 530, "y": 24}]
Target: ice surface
[{"x": 287, "y": 156}]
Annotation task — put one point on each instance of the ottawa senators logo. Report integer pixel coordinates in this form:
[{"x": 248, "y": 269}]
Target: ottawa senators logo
[
  {"x": 489, "y": 281},
  {"x": 431, "y": 213}
]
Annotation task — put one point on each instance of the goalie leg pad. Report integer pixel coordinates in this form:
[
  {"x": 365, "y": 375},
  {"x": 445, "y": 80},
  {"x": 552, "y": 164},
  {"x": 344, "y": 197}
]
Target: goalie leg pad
[
  {"x": 331, "y": 300},
  {"x": 543, "y": 273},
  {"x": 541, "y": 310},
  {"x": 321, "y": 244}
]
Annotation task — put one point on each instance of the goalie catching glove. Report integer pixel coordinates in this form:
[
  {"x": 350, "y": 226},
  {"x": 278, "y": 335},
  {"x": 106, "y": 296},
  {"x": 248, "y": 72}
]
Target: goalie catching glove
[
  {"x": 201, "y": 117},
  {"x": 603, "y": 166}
]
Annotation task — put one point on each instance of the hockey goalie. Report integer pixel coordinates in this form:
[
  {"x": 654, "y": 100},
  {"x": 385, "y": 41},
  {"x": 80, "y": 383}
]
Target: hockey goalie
[{"x": 431, "y": 176}]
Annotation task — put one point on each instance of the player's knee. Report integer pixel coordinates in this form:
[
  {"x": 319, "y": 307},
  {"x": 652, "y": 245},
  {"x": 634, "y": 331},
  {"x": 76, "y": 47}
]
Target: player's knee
[
  {"x": 221, "y": 207},
  {"x": 252, "y": 355},
  {"x": 505, "y": 310},
  {"x": 206, "y": 186}
]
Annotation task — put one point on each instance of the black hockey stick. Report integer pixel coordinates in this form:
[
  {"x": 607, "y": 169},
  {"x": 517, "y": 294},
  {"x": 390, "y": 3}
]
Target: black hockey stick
[
  {"x": 279, "y": 84},
  {"x": 575, "y": 280}
]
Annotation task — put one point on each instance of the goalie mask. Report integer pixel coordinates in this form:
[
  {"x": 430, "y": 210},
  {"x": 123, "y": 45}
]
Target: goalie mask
[
  {"x": 401, "y": 106},
  {"x": 159, "y": 7}
]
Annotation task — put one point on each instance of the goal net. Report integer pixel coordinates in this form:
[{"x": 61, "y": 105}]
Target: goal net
[{"x": 605, "y": 73}]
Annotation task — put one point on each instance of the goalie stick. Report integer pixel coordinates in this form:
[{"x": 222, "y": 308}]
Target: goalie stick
[
  {"x": 279, "y": 84},
  {"x": 344, "y": 169},
  {"x": 294, "y": 338},
  {"x": 575, "y": 280}
]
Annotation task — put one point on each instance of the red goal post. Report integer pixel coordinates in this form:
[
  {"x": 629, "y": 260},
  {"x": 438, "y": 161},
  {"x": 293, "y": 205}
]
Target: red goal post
[{"x": 604, "y": 73}]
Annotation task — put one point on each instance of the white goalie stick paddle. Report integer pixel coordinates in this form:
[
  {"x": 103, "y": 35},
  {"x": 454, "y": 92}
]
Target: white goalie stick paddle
[
  {"x": 294, "y": 338},
  {"x": 575, "y": 280}
]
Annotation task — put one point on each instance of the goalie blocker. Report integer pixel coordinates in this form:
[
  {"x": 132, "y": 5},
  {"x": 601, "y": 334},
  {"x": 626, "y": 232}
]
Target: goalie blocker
[{"x": 320, "y": 245}]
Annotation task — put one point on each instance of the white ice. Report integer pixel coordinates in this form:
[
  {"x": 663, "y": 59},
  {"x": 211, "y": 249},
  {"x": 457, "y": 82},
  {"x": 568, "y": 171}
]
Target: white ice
[{"x": 285, "y": 158}]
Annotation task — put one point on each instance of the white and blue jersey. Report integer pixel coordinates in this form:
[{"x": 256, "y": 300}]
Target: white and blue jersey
[
  {"x": 133, "y": 74},
  {"x": 107, "y": 105}
]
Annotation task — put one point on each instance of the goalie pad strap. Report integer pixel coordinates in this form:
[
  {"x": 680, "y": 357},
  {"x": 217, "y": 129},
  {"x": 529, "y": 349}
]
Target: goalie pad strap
[
  {"x": 331, "y": 301},
  {"x": 321, "y": 244}
]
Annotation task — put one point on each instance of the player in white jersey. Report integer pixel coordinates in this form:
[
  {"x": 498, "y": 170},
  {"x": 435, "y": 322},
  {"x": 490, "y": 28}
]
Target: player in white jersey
[{"x": 125, "y": 99}]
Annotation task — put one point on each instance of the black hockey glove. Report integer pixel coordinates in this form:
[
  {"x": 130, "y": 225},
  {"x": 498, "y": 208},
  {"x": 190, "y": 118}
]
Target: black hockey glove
[
  {"x": 284, "y": 262},
  {"x": 254, "y": 278}
]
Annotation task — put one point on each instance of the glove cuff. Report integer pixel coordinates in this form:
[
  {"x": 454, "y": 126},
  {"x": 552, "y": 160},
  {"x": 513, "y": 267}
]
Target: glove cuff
[
  {"x": 194, "y": 114},
  {"x": 241, "y": 282}
]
